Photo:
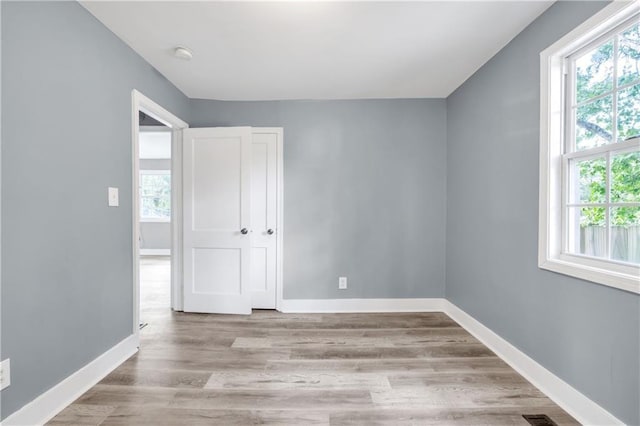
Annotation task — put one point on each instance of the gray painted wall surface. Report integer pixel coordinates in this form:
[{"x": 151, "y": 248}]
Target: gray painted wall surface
[
  {"x": 66, "y": 280},
  {"x": 155, "y": 235},
  {"x": 66, "y": 256},
  {"x": 155, "y": 164},
  {"x": 585, "y": 333},
  {"x": 364, "y": 192}
]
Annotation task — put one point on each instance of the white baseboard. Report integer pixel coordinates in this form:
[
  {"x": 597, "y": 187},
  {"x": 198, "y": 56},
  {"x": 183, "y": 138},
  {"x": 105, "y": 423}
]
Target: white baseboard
[
  {"x": 583, "y": 409},
  {"x": 567, "y": 397},
  {"x": 46, "y": 406},
  {"x": 361, "y": 305},
  {"x": 155, "y": 252},
  {"x": 586, "y": 411}
]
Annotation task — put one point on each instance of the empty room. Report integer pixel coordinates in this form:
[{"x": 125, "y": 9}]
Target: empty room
[{"x": 320, "y": 213}]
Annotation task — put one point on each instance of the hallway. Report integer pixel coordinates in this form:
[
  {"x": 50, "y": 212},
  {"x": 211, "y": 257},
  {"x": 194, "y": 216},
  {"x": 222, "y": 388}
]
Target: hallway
[{"x": 155, "y": 286}]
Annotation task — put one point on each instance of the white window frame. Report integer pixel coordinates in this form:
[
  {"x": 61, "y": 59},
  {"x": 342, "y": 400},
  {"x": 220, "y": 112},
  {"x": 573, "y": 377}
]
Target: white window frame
[
  {"x": 154, "y": 219},
  {"x": 551, "y": 243}
]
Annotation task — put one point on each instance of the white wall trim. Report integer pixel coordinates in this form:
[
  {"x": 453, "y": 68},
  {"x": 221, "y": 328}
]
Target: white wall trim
[
  {"x": 551, "y": 254},
  {"x": 567, "y": 397},
  {"x": 177, "y": 292},
  {"x": 361, "y": 305},
  {"x": 155, "y": 252},
  {"x": 140, "y": 102},
  {"x": 586, "y": 411},
  {"x": 46, "y": 406},
  {"x": 154, "y": 220}
]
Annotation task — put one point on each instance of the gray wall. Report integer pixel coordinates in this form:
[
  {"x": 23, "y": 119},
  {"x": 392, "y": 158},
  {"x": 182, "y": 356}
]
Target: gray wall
[
  {"x": 364, "y": 192},
  {"x": 585, "y": 333},
  {"x": 66, "y": 256},
  {"x": 366, "y": 189},
  {"x": 155, "y": 236},
  {"x": 155, "y": 164}
]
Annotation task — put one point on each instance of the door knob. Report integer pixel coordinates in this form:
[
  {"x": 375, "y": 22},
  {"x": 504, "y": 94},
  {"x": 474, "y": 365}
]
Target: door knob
[
  {"x": 270, "y": 231},
  {"x": 244, "y": 231}
]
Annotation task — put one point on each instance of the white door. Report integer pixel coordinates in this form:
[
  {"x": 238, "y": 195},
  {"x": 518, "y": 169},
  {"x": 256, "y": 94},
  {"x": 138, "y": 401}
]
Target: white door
[
  {"x": 216, "y": 217},
  {"x": 264, "y": 221}
]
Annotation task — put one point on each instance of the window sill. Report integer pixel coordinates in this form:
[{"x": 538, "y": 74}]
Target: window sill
[
  {"x": 627, "y": 281},
  {"x": 154, "y": 220}
]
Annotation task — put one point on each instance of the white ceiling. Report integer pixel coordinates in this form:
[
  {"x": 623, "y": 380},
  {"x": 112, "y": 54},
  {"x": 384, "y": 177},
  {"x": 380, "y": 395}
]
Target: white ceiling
[{"x": 317, "y": 50}]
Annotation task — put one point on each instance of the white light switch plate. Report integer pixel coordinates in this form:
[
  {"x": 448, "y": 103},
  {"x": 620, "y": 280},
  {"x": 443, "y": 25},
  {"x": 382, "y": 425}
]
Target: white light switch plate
[
  {"x": 113, "y": 197},
  {"x": 5, "y": 373},
  {"x": 342, "y": 283}
]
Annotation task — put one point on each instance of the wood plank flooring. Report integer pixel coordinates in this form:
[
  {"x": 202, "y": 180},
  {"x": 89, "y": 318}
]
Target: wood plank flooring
[{"x": 315, "y": 369}]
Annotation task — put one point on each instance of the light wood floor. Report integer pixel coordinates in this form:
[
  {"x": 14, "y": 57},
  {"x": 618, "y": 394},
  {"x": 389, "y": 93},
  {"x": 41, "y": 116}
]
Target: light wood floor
[{"x": 312, "y": 369}]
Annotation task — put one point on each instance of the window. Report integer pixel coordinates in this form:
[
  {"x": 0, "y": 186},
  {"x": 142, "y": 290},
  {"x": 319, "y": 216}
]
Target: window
[
  {"x": 155, "y": 195},
  {"x": 590, "y": 150}
]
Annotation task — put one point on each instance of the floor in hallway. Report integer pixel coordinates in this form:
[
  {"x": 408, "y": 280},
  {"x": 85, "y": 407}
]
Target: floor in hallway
[{"x": 155, "y": 286}]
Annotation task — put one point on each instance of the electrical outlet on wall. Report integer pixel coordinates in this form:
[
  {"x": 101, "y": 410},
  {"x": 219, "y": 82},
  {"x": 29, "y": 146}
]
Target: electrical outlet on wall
[
  {"x": 5, "y": 373},
  {"x": 342, "y": 283}
]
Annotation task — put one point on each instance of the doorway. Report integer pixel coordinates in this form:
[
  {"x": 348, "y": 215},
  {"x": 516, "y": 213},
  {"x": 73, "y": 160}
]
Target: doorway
[
  {"x": 156, "y": 134},
  {"x": 155, "y": 219},
  {"x": 262, "y": 282}
]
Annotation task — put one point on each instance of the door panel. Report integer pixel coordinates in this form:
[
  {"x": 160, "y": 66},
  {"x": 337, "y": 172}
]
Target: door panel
[
  {"x": 259, "y": 179},
  {"x": 259, "y": 269},
  {"x": 216, "y": 207},
  {"x": 217, "y": 165},
  {"x": 264, "y": 203},
  {"x": 217, "y": 270}
]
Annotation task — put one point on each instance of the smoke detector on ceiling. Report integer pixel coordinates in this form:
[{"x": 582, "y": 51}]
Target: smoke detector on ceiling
[{"x": 182, "y": 53}]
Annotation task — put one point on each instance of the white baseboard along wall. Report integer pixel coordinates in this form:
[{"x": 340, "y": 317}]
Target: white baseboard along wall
[
  {"x": 46, "y": 406},
  {"x": 586, "y": 411},
  {"x": 328, "y": 306},
  {"x": 568, "y": 398}
]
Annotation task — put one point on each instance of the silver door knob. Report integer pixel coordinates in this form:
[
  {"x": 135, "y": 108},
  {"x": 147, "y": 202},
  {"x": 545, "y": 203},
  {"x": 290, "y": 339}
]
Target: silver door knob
[
  {"x": 244, "y": 231},
  {"x": 270, "y": 231}
]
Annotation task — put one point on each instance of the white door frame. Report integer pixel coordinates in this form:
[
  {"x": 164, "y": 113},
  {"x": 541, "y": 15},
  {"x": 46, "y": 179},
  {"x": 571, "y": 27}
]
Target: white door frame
[
  {"x": 279, "y": 209},
  {"x": 140, "y": 102}
]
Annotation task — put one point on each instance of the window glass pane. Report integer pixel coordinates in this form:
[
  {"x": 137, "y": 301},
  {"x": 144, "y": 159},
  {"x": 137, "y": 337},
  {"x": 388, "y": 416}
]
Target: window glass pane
[
  {"x": 625, "y": 178},
  {"x": 629, "y": 55},
  {"x": 155, "y": 196},
  {"x": 588, "y": 181},
  {"x": 593, "y": 123},
  {"x": 629, "y": 113},
  {"x": 587, "y": 231},
  {"x": 625, "y": 234},
  {"x": 594, "y": 72}
]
